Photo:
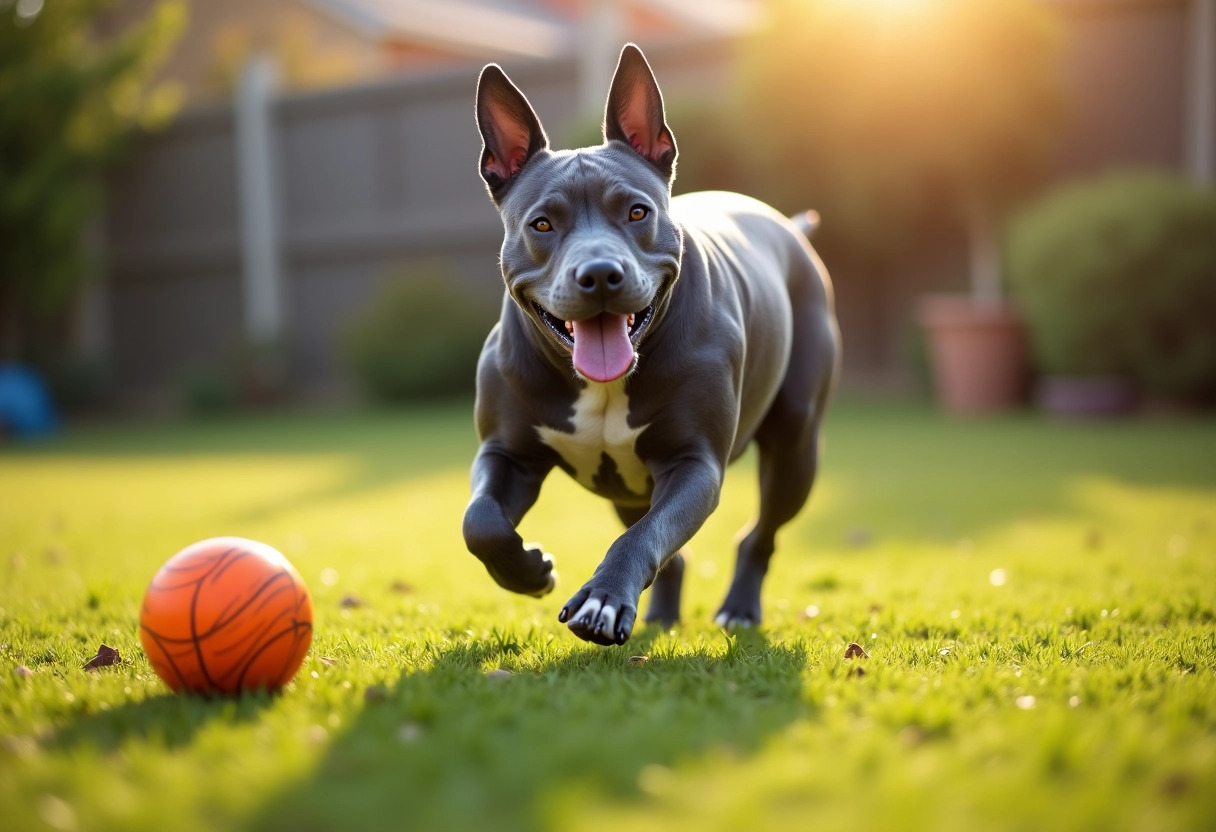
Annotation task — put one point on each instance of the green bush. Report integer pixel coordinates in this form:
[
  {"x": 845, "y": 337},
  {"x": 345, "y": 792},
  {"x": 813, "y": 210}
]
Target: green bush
[
  {"x": 246, "y": 374},
  {"x": 1118, "y": 276},
  {"x": 207, "y": 391},
  {"x": 420, "y": 338}
]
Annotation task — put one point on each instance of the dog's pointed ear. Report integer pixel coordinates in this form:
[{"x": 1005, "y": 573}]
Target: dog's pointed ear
[
  {"x": 511, "y": 133},
  {"x": 634, "y": 114}
]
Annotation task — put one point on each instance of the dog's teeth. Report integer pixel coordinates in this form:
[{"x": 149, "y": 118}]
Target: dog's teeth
[
  {"x": 631, "y": 320},
  {"x": 570, "y": 327}
]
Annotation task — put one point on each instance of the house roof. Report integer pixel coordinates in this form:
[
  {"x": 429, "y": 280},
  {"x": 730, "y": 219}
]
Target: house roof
[{"x": 528, "y": 28}]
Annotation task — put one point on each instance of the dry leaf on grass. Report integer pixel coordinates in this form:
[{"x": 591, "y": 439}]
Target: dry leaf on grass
[
  {"x": 105, "y": 657},
  {"x": 855, "y": 650}
]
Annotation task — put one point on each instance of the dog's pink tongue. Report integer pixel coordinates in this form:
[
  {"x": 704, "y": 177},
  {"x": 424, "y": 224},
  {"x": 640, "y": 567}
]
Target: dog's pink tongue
[{"x": 602, "y": 351}]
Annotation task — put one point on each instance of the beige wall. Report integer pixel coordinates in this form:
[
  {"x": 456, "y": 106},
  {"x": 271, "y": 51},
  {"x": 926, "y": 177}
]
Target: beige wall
[{"x": 311, "y": 49}]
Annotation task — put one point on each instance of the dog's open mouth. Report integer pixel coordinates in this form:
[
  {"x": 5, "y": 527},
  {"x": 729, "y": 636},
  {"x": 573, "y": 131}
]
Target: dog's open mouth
[{"x": 602, "y": 347}]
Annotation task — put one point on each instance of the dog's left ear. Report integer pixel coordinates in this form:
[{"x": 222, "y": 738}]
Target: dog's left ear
[{"x": 634, "y": 114}]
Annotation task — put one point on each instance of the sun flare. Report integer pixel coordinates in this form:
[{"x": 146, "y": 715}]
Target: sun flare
[{"x": 891, "y": 8}]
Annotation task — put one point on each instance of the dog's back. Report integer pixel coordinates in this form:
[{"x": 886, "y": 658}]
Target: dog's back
[{"x": 739, "y": 251}]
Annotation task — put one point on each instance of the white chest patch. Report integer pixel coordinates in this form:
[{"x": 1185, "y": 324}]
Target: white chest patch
[{"x": 601, "y": 426}]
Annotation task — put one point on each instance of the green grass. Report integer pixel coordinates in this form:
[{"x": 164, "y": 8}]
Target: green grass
[{"x": 1077, "y": 694}]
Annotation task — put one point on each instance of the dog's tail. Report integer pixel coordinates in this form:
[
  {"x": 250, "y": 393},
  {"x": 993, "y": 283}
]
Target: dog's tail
[{"x": 807, "y": 222}]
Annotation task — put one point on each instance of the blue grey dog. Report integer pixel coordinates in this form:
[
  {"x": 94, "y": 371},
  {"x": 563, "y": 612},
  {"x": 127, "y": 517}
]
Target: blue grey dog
[{"x": 644, "y": 342}]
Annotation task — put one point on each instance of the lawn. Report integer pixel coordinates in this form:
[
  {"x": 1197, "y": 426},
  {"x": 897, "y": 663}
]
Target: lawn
[{"x": 1038, "y": 601}]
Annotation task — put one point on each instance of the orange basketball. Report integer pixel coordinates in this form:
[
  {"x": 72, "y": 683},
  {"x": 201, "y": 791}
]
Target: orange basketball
[{"x": 226, "y": 615}]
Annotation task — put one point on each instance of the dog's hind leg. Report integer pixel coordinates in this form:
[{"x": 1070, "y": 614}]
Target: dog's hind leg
[
  {"x": 788, "y": 441},
  {"x": 787, "y": 470},
  {"x": 665, "y": 591}
]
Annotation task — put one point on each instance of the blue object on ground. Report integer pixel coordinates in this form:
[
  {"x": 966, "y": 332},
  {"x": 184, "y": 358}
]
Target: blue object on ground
[{"x": 25, "y": 405}]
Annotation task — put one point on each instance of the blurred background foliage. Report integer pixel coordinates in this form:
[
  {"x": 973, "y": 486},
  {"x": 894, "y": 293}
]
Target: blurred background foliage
[
  {"x": 899, "y": 116},
  {"x": 1117, "y": 277},
  {"x": 247, "y": 373},
  {"x": 69, "y": 102},
  {"x": 898, "y": 120},
  {"x": 419, "y": 338}
]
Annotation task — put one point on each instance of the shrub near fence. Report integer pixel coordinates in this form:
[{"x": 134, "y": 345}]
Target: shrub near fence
[
  {"x": 1117, "y": 276},
  {"x": 419, "y": 339}
]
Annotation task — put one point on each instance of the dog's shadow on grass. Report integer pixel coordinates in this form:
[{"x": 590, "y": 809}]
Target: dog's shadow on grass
[
  {"x": 451, "y": 747},
  {"x": 167, "y": 720}
]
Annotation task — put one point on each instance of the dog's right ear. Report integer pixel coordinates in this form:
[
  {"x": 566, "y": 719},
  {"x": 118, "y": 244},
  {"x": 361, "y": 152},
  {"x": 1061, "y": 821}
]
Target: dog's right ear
[
  {"x": 510, "y": 131},
  {"x": 634, "y": 114}
]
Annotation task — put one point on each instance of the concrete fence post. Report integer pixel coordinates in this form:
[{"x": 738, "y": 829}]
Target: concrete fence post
[
  {"x": 257, "y": 194},
  {"x": 1200, "y": 136},
  {"x": 601, "y": 39},
  {"x": 92, "y": 338}
]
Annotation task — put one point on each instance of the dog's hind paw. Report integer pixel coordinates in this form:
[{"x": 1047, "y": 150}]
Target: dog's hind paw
[
  {"x": 736, "y": 620},
  {"x": 738, "y": 614},
  {"x": 741, "y": 608},
  {"x": 599, "y": 617}
]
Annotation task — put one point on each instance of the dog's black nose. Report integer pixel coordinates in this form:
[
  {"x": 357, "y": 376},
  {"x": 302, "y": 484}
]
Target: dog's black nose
[{"x": 599, "y": 275}]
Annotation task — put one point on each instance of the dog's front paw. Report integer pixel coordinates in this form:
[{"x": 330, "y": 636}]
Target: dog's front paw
[
  {"x": 530, "y": 572},
  {"x": 514, "y": 565},
  {"x": 599, "y": 616}
]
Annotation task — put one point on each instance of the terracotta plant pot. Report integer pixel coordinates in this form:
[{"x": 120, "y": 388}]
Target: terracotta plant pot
[{"x": 978, "y": 353}]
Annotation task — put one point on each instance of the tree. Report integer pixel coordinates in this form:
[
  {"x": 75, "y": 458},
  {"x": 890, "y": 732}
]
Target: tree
[
  {"x": 890, "y": 114},
  {"x": 69, "y": 101}
]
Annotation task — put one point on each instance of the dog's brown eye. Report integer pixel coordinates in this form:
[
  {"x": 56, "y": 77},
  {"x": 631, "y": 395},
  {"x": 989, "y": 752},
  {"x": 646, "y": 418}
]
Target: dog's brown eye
[
  {"x": 637, "y": 212},
  {"x": 542, "y": 225}
]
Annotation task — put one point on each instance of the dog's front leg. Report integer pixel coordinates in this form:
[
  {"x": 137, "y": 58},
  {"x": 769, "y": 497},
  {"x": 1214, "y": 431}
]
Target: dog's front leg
[
  {"x": 685, "y": 494},
  {"x": 503, "y": 491}
]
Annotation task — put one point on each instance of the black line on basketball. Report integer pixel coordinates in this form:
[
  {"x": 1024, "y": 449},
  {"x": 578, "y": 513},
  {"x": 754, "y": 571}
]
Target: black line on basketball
[
  {"x": 219, "y": 624},
  {"x": 198, "y": 646},
  {"x": 254, "y": 648},
  {"x": 240, "y": 682},
  {"x": 289, "y": 588},
  {"x": 244, "y": 554},
  {"x": 168, "y": 656}
]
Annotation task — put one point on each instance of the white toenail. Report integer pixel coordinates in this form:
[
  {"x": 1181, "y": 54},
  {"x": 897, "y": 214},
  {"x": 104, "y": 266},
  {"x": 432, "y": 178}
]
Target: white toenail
[
  {"x": 589, "y": 608},
  {"x": 608, "y": 617}
]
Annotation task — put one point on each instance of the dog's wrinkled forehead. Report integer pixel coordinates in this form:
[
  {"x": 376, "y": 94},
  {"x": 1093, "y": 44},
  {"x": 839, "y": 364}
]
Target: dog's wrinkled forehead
[{"x": 608, "y": 176}]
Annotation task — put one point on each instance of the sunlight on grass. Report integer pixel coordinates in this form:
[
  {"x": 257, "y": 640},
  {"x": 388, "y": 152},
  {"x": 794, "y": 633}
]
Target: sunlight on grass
[{"x": 1075, "y": 691}]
